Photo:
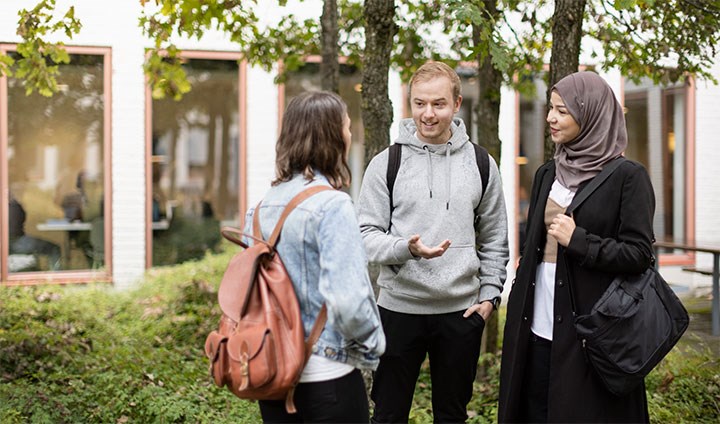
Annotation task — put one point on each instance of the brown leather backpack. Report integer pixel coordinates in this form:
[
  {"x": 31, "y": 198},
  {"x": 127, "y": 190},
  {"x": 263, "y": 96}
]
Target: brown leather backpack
[{"x": 259, "y": 350}]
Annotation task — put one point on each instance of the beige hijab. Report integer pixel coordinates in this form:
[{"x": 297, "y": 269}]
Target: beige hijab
[{"x": 603, "y": 135}]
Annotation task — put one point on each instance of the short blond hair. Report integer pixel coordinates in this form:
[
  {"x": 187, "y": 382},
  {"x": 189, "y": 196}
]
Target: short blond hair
[{"x": 433, "y": 69}]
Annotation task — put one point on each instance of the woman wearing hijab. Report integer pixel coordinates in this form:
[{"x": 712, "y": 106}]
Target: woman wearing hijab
[{"x": 545, "y": 376}]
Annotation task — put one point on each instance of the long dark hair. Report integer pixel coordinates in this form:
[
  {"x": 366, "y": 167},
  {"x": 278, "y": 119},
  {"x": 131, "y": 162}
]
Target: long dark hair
[{"x": 311, "y": 139}]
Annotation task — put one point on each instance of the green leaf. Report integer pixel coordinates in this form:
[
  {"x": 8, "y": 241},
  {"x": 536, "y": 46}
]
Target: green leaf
[{"x": 625, "y": 4}]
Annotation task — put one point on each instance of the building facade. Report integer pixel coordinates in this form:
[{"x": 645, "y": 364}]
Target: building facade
[{"x": 102, "y": 181}]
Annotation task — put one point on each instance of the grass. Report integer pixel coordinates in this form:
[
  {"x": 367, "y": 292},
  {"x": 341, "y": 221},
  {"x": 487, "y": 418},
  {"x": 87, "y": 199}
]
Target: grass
[{"x": 92, "y": 354}]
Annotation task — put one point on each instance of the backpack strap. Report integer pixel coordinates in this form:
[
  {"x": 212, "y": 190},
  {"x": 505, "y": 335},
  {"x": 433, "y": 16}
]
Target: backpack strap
[
  {"x": 395, "y": 154},
  {"x": 317, "y": 328},
  {"x": 229, "y": 232},
  {"x": 483, "y": 162},
  {"x": 299, "y": 198}
]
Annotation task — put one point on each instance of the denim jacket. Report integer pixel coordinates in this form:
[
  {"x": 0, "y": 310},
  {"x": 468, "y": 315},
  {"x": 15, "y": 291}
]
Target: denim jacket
[{"x": 322, "y": 250}]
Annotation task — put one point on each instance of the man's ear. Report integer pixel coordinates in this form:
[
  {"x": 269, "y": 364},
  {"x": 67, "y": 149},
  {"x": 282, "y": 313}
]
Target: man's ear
[{"x": 458, "y": 102}]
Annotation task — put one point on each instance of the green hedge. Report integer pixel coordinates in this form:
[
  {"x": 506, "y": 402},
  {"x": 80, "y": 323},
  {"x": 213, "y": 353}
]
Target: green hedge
[{"x": 94, "y": 355}]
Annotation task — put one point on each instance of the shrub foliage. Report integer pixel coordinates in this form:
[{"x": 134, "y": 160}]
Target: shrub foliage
[
  {"x": 96, "y": 355},
  {"x": 93, "y": 354}
]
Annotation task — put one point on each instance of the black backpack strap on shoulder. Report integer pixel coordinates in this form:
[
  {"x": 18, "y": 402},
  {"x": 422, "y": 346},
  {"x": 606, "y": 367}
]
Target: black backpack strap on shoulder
[
  {"x": 394, "y": 156},
  {"x": 483, "y": 163}
]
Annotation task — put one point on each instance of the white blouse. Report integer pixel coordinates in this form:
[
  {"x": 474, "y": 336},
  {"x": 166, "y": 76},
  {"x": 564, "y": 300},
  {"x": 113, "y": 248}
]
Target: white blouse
[
  {"x": 320, "y": 368},
  {"x": 542, "y": 323}
]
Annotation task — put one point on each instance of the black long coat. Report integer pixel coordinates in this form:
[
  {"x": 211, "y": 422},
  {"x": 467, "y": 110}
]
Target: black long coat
[{"x": 613, "y": 235}]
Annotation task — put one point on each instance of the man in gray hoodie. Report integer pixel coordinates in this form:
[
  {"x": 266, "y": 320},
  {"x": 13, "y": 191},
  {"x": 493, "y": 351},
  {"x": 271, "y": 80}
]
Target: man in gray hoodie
[{"x": 442, "y": 247}]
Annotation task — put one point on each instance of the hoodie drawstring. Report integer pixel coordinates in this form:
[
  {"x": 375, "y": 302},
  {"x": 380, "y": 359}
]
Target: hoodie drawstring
[
  {"x": 429, "y": 174},
  {"x": 449, "y": 176}
]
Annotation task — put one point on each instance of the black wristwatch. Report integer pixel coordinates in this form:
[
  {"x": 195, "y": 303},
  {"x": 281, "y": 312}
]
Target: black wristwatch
[{"x": 495, "y": 302}]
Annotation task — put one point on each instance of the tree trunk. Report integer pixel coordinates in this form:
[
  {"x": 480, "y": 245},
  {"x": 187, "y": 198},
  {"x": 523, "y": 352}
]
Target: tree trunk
[
  {"x": 565, "y": 55},
  {"x": 376, "y": 106},
  {"x": 488, "y": 108},
  {"x": 329, "y": 67},
  {"x": 377, "y": 111},
  {"x": 488, "y": 115}
]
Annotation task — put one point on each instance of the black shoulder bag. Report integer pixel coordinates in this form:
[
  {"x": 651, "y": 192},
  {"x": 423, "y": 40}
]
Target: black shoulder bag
[{"x": 633, "y": 325}]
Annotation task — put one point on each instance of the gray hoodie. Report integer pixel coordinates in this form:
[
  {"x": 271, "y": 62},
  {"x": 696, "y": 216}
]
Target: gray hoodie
[{"x": 437, "y": 195}]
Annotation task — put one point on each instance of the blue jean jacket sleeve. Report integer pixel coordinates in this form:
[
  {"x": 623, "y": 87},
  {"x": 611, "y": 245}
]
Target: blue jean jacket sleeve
[{"x": 344, "y": 278}]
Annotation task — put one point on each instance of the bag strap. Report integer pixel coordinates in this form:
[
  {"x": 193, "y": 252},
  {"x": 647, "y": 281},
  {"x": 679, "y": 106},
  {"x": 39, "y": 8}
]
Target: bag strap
[
  {"x": 299, "y": 198},
  {"x": 600, "y": 178},
  {"x": 230, "y": 232},
  {"x": 482, "y": 157},
  {"x": 594, "y": 184},
  {"x": 309, "y": 343},
  {"x": 394, "y": 155}
]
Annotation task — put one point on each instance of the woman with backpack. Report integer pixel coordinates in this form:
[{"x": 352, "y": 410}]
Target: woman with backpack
[{"x": 321, "y": 247}]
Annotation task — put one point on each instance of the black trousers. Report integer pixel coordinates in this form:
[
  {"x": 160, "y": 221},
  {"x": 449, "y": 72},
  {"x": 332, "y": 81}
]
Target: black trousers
[
  {"x": 536, "y": 381},
  {"x": 342, "y": 400},
  {"x": 453, "y": 346}
]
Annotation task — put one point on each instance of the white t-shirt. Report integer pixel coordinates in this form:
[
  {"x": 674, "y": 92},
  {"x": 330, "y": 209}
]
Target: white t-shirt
[
  {"x": 542, "y": 323},
  {"x": 319, "y": 368}
]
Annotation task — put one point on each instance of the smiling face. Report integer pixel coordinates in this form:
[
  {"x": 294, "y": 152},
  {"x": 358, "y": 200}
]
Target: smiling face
[
  {"x": 563, "y": 127},
  {"x": 433, "y": 109}
]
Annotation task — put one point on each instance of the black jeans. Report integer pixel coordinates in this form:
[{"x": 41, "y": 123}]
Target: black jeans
[
  {"x": 342, "y": 400},
  {"x": 536, "y": 380},
  {"x": 453, "y": 346}
]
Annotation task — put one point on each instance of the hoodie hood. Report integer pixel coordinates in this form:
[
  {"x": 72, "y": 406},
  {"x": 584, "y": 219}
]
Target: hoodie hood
[
  {"x": 408, "y": 131},
  {"x": 408, "y": 136}
]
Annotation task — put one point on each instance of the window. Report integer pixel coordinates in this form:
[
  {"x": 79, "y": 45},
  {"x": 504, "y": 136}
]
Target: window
[
  {"x": 195, "y": 161},
  {"x": 658, "y": 138},
  {"x": 56, "y": 151},
  {"x": 307, "y": 78}
]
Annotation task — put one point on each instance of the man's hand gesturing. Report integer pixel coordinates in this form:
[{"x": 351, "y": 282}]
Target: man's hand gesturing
[{"x": 418, "y": 248}]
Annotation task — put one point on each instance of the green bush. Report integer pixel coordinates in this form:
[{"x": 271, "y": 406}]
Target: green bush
[
  {"x": 92, "y": 354},
  {"x": 187, "y": 238},
  {"x": 685, "y": 387}
]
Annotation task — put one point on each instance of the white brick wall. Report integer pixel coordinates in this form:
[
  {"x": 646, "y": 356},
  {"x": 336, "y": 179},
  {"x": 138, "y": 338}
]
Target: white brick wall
[
  {"x": 507, "y": 166},
  {"x": 262, "y": 132},
  {"x": 707, "y": 163},
  {"x": 113, "y": 23}
]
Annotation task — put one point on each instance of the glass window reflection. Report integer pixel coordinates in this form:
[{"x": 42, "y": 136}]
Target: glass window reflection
[
  {"x": 656, "y": 123},
  {"x": 194, "y": 170},
  {"x": 55, "y": 171},
  {"x": 307, "y": 78}
]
